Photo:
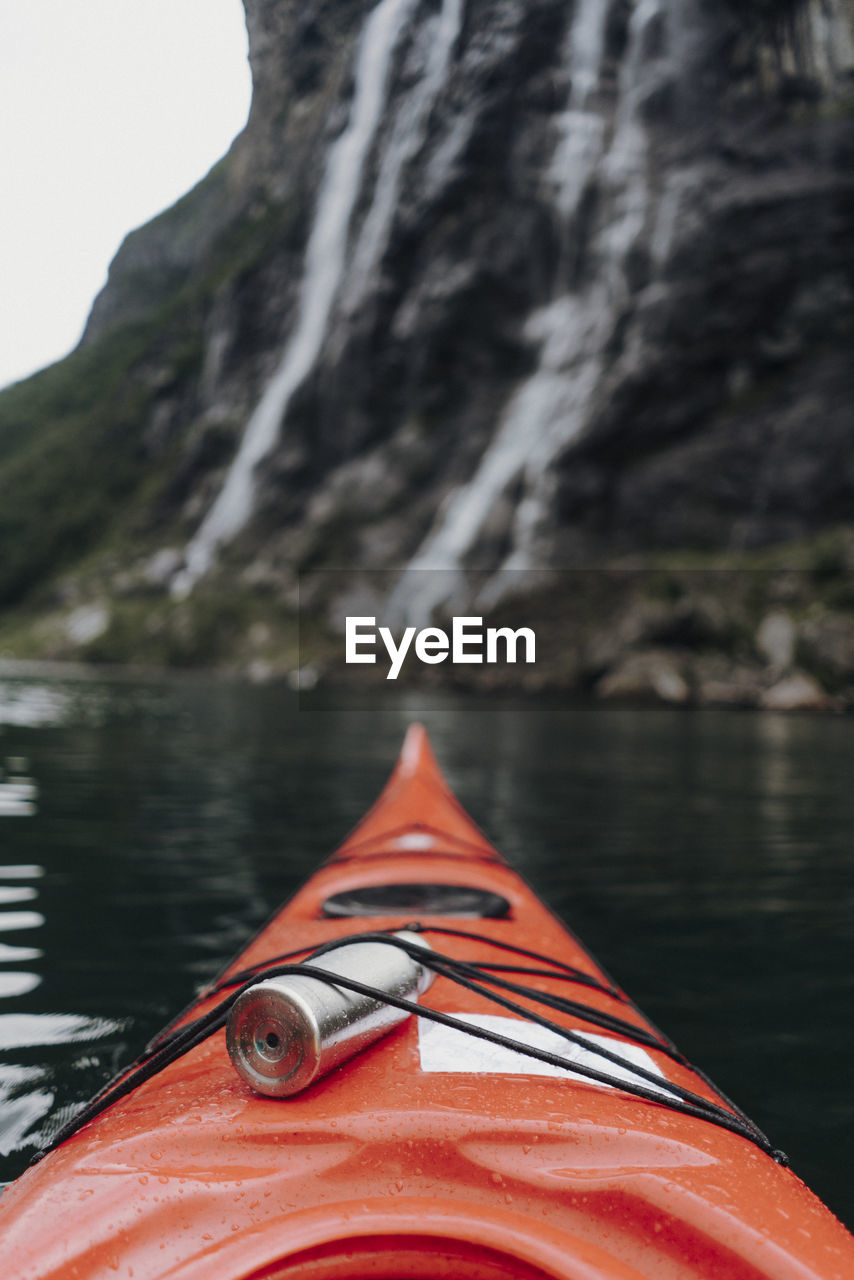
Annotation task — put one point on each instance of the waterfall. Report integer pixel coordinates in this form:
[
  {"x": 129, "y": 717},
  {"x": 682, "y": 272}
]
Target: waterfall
[
  {"x": 406, "y": 140},
  {"x": 570, "y": 334},
  {"x": 582, "y": 130},
  {"x": 322, "y": 274},
  {"x": 830, "y": 39}
]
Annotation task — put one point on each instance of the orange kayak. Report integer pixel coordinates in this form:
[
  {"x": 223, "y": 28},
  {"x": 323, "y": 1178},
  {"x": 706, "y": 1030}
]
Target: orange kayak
[{"x": 530, "y": 1122}]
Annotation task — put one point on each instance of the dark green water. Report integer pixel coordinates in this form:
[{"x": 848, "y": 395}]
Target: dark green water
[{"x": 705, "y": 857}]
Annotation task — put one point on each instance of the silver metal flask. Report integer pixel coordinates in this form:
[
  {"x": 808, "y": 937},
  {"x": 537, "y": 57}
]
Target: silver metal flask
[{"x": 284, "y": 1033}]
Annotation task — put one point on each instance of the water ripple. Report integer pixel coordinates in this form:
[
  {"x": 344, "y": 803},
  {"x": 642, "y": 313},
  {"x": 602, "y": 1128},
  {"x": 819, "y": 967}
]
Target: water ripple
[
  {"x": 18, "y": 793},
  {"x": 31, "y": 705},
  {"x": 16, "y": 893},
  {"x": 19, "y": 1112},
  {"x": 10, "y": 920},
  {"x": 24, "y": 1030},
  {"x": 18, "y": 954},
  {"x": 17, "y": 983}
]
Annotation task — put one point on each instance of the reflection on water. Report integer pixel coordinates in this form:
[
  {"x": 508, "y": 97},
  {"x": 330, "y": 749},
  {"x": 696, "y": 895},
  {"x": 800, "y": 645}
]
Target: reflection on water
[
  {"x": 17, "y": 984},
  {"x": 14, "y": 920},
  {"x": 705, "y": 856},
  {"x": 16, "y": 893},
  {"x": 23, "y": 1103},
  {"x": 17, "y": 954},
  {"x": 27, "y": 1030},
  {"x": 17, "y": 793},
  {"x": 24, "y": 702}
]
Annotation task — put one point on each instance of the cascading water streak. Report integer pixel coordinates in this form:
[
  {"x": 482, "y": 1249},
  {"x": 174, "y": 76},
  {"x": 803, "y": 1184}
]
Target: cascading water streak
[
  {"x": 324, "y": 268},
  {"x": 572, "y": 333},
  {"x": 561, "y": 330},
  {"x": 582, "y": 127},
  {"x": 624, "y": 175},
  {"x": 407, "y": 138}
]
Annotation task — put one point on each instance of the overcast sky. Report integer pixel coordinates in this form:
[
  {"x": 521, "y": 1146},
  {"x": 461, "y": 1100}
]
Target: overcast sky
[{"x": 109, "y": 111}]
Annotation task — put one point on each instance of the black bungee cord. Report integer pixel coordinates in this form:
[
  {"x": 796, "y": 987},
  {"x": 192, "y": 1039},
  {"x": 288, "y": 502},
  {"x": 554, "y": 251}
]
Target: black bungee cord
[{"x": 176, "y": 1041}]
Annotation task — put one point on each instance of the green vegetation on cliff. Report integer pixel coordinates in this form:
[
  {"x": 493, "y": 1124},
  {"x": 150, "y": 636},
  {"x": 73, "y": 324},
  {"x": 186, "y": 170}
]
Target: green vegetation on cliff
[{"x": 82, "y": 466}]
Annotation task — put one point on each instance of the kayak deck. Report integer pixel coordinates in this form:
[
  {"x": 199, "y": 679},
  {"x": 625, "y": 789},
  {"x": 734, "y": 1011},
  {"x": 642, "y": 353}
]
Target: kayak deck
[{"x": 431, "y": 1152}]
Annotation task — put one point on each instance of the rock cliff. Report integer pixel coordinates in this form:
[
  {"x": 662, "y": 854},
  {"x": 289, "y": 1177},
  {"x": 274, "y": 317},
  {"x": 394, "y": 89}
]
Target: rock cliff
[{"x": 485, "y": 285}]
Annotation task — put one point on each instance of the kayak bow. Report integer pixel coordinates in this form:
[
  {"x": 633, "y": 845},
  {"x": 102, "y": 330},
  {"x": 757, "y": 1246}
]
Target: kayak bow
[{"x": 529, "y": 1123}]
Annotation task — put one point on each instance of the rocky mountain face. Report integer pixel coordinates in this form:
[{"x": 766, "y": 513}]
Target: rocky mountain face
[{"x": 485, "y": 287}]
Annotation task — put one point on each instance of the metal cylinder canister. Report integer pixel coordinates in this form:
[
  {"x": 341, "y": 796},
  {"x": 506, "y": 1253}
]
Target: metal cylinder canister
[{"x": 284, "y": 1033}]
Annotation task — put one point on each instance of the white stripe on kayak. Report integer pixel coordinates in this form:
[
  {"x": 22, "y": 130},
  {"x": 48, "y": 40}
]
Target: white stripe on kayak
[{"x": 446, "y": 1049}]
